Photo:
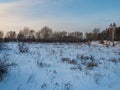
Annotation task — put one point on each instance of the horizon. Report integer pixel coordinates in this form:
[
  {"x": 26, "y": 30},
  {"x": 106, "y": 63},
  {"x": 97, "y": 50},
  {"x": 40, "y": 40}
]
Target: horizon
[{"x": 60, "y": 15}]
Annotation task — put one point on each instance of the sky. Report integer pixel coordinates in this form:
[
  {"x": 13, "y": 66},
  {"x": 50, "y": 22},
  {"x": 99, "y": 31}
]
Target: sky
[{"x": 60, "y": 15}]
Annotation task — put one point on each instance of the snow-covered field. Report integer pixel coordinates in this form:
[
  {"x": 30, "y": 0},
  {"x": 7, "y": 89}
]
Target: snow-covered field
[{"x": 54, "y": 66}]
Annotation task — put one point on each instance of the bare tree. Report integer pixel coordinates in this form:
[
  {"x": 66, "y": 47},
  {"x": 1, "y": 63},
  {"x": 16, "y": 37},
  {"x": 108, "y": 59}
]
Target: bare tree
[
  {"x": 37, "y": 35},
  {"x": 46, "y": 33},
  {"x": 11, "y": 35},
  {"x": 113, "y": 31},
  {"x": 23, "y": 34},
  {"x": 63, "y": 34},
  {"x": 89, "y": 36},
  {"x": 112, "y": 28},
  {"x": 96, "y": 32},
  {"x": 78, "y": 35},
  {"x": 31, "y": 34},
  {"x": 59, "y": 36},
  {"x": 56, "y": 36},
  {"x": 1, "y": 35}
]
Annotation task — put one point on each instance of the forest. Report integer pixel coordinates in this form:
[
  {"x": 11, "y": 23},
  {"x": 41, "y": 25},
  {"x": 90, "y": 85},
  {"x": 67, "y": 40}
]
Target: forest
[{"x": 46, "y": 34}]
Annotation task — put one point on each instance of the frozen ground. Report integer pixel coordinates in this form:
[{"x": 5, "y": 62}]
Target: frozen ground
[{"x": 62, "y": 67}]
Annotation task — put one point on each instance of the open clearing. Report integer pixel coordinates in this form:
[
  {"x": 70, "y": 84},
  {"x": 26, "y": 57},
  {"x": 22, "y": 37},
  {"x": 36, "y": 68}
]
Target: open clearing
[{"x": 54, "y": 66}]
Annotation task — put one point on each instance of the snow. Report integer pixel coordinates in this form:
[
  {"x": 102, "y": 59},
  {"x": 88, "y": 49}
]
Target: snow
[{"x": 42, "y": 68}]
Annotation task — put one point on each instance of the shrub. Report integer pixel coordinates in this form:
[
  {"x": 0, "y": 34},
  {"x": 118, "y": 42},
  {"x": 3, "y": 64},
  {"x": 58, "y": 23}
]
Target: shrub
[
  {"x": 88, "y": 43},
  {"x": 101, "y": 41},
  {"x": 23, "y": 48},
  {"x": 76, "y": 67},
  {"x": 92, "y": 64},
  {"x": 84, "y": 57},
  {"x": 44, "y": 85},
  {"x": 2, "y": 46},
  {"x": 97, "y": 77},
  {"x": 68, "y": 60},
  {"x": 67, "y": 86},
  {"x": 4, "y": 68},
  {"x": 42, "y": 64},
  {"x": 114, "y": 60},
  {"x": 92, "y": 58}
]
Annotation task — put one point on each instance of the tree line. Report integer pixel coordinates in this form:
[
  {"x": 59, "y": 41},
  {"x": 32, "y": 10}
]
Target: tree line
[{"x": 46, "y": 34}]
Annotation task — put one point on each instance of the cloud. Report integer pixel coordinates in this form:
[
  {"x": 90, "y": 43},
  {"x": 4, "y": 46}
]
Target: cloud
[
  {"x": 17, "y": 14},
  {"x": 13, "y": 16},
  {"x": 5, "y": 16},
  {"x": 67, "y": 15}
]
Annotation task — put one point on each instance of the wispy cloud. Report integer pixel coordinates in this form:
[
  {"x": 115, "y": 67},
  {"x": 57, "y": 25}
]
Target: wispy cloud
[
  {"x": 58, "y": 14},
  {"x": 14, "y": 16},
  {"x": 17, "y": 14}
]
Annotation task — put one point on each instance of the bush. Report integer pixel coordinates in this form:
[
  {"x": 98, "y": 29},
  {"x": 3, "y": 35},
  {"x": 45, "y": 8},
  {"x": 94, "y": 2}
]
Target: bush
[
  {"x": 2, "y": 46},
  {"x": 69, "y": 61},
  {"x": 92, "y": 64},
  {"x": 88, "y": 43},
  {"x": 4, "y": 68},
  {"x": 67, "y": 86},
  {"x": 23, "y": 48},
  {"x": 76, "y": 67},
  {"x": 101, "y": 41},
  {"x": 115, "y": 60},
  {"x": 42, "y": 64},
  {"x": 84, "y": 57}
]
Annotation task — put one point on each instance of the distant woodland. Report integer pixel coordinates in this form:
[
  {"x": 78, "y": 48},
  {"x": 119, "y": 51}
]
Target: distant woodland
[{"x": 46, "y": 34}]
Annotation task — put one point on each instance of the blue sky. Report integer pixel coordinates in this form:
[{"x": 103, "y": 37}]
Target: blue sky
[{"x": 69, "y": 15}]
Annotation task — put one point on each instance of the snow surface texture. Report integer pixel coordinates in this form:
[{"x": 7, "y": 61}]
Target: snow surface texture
[{"x": 62, "y": 67}]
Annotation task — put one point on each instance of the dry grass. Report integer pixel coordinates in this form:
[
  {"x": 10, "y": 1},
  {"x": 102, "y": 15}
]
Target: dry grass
[{"x": 92, "y": 64}]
